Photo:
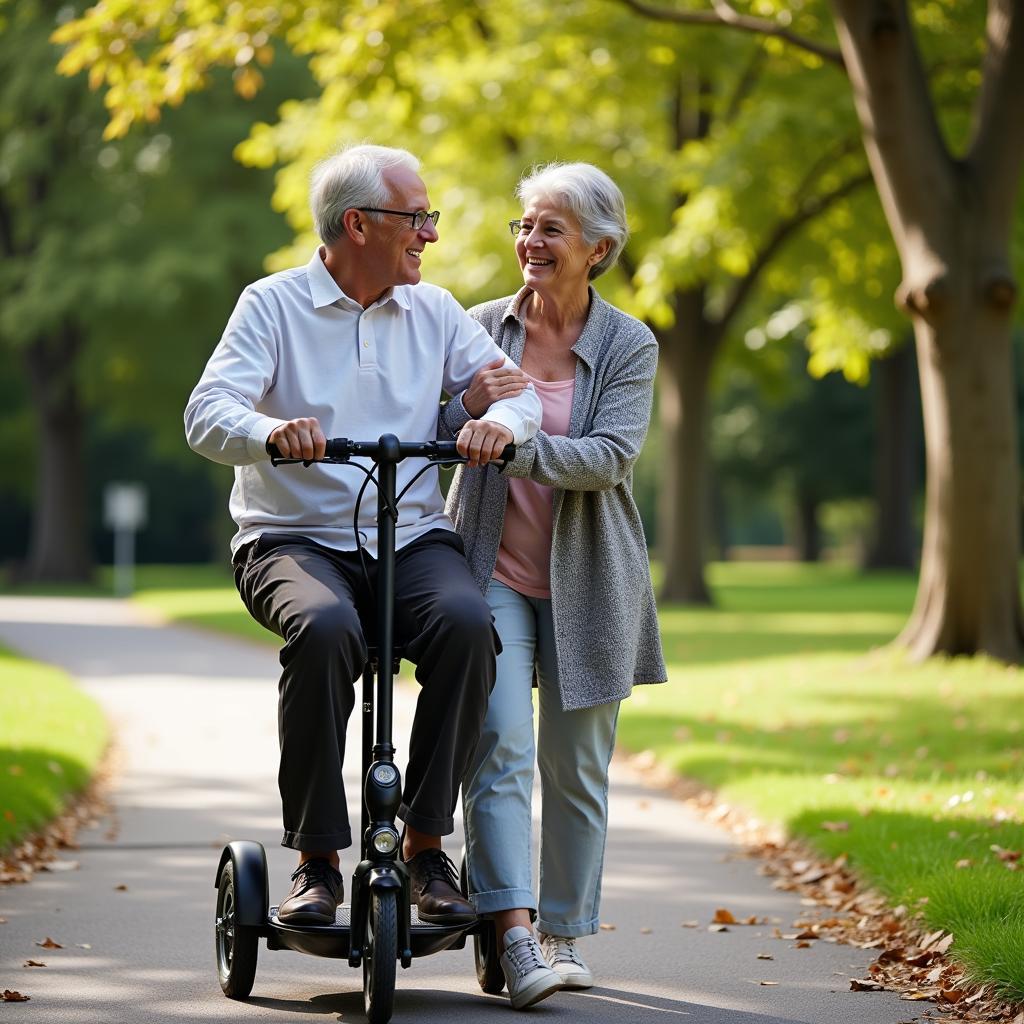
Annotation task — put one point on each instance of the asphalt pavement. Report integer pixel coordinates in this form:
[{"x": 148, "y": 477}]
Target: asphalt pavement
[{"x": 195, "y": 719}]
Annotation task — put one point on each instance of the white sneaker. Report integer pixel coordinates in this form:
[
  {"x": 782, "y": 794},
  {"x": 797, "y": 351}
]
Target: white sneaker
[
  {"x": 528, "y": 977},
  {"x": 563, "y": 956}
]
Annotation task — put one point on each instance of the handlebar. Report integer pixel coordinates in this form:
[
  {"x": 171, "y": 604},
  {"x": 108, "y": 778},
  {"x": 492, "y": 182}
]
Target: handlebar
[{"x": 387, "y": 448}]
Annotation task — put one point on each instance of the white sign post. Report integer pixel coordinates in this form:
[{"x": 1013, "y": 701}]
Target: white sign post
[{"x": 124, "y": 512}]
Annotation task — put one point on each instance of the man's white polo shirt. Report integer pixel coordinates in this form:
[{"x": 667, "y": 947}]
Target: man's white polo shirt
[{"x": 296, "y": 345}]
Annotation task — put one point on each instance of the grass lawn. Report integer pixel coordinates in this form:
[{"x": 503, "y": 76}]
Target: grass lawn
[
  {"x": 778, "y": 700},
  {"x": 51, "y": 737}
]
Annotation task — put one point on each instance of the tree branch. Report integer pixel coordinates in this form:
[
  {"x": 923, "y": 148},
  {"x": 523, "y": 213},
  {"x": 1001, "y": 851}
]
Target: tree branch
[
  {"x": 996, "y": 152},
  {"x": 745, "y": 86},
  {"x": 782, "y": 233},
  {"x": 725, "y": 14},
  {"x": 913, "y": 169},
  {"x": 6, "y": 228}
]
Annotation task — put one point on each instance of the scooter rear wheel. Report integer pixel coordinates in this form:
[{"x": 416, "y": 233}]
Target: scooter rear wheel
[
  {"x": 380, "y": 956},
  {"x": 236, "y": 945},
  {"x": 489, "y": 974}
]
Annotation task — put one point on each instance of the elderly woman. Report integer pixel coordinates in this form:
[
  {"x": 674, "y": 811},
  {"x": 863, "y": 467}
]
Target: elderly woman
[{"x": 556, "y": 543}]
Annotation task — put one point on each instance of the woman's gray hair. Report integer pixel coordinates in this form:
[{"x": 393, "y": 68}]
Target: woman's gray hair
[
  {"x": 594, "y": 199},
  {"x": 351, "y": 178}
]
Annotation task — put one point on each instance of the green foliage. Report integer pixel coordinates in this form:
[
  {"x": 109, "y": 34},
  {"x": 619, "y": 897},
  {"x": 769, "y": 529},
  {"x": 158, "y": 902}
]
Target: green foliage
[
  {"x": 481, "y": 91},
  {"x": 141, "y": 244},
  {"x": 51, "y": 738}
]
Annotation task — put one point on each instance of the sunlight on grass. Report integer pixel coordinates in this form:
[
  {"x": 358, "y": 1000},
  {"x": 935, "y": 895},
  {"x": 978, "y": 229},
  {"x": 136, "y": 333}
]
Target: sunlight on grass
[
  {"x": 778, "y": 700},
  {"x": 51, "y": 738}
]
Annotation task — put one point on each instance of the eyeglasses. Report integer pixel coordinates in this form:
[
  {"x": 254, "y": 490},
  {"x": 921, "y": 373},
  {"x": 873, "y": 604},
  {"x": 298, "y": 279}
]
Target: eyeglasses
[
  {"x": 515, "y": 226},
  {"x": 419, "y": 218}
]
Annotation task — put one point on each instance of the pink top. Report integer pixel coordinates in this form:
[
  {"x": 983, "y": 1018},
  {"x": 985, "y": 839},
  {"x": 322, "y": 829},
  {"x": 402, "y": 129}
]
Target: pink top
[{"x": 524, "y": 556}]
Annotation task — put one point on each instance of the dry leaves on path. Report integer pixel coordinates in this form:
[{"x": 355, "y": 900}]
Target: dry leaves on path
[{"x": 11, "y": 996}]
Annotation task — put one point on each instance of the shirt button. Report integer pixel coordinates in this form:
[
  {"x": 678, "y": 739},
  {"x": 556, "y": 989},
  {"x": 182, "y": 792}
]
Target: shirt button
[{"x": 366, "y": 344}]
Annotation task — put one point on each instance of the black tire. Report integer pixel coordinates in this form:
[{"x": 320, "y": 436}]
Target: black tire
[
  {"x": 380, "y": 956},
  {"x": 489, "y": 974},
  {"x": 236, "y": 945},
  {"x": 488, "y": 964}
]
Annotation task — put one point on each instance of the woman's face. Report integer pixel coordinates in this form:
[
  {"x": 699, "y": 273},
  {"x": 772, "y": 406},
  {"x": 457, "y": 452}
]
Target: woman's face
[{"x": 550, "y": 248}]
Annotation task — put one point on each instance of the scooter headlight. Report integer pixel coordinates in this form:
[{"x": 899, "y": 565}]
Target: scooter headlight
[{"x": 385, "y": 840}]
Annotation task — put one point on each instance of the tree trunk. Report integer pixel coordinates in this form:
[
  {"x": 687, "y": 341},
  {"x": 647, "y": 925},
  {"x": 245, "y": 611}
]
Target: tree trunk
[
  {"x": 896, "y": 463},
  {"x": 687, "y": 355},
  {"x": 952, "y": 223},
  {"x": 968, "y": 598},
  {"x": 59, "y": 545},
  {"x": 808, "y": 530}
]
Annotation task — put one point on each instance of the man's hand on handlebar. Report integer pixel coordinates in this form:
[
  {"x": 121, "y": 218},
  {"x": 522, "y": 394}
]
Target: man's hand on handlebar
[
  {"x": 482, "y": 441},
  {"x": 300, "y": 439}
]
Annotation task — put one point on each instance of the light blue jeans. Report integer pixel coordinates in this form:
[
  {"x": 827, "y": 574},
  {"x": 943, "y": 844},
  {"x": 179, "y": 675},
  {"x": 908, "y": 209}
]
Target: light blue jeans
[{"x": 573, "y": 750}]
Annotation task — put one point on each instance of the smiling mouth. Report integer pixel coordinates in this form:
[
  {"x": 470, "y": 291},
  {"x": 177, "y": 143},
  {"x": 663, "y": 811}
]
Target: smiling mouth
[
  {"x": 415, "y": 253},
  {"x": 536, "y": 261}
]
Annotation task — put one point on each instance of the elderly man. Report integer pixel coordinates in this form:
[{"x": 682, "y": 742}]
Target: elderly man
[{"x": 351, "y": 344}]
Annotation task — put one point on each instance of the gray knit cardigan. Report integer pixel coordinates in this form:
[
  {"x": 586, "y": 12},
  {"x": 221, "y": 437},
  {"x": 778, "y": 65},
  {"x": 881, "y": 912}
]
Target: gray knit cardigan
[{"x": 606, "y": 623}]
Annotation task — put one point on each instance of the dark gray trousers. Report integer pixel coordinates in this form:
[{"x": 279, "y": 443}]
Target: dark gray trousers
[{"x": 313, "y": 597}]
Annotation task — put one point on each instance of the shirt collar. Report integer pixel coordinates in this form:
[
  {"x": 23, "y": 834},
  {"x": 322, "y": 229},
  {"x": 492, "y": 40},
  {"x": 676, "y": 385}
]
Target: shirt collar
[
  {"x": 324, "y": 290},
  {"x": 592, "y": 337}
]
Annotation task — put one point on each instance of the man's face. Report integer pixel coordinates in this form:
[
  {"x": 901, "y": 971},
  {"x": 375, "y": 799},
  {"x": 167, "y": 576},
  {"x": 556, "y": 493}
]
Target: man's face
[{"x": 394, "y": 249}]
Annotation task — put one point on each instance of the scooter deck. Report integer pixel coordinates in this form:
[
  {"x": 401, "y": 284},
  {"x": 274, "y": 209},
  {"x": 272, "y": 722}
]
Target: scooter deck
[{"x": 332, "y": 940}]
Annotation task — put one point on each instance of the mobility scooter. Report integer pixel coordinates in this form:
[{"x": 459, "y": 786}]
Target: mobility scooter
[{"x": 379, "y": 928}]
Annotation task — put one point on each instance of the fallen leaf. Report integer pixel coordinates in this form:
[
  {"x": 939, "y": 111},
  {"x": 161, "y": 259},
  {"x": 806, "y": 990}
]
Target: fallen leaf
[
  {"x": 943, "y": 945},
  {"x": 717, "y": 928},
  {"x": 604, "y": 927},
  {"x": 916, "y": 995},
  {"x": 645, "y": 931},
  {"x": 83, "y": 945},
  {"x": 865, "y": 985},
  {"x": 952, "y": 995},
  {"x": 808, "y": 935},
  {"x": 124, "y": 888},
  {"x": 765, "y": 956},
  {"x": 48, "y": 943},
  {"x": 33, "y": 963},
  {"x": 14, "y": 997},
  {"x": 723, "y": 916},
  {"x": 768, "y": 983},
  {"x": 802, "y": 945},
  {"x": 690, "y": 924},
  {"x": 1009, "y": 856}
]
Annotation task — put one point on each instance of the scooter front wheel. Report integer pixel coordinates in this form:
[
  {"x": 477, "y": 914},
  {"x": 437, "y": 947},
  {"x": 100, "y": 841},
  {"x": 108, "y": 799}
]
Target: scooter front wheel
[
  {"x": 236, "y": 944},
  {"x": 380, "y": 956}
]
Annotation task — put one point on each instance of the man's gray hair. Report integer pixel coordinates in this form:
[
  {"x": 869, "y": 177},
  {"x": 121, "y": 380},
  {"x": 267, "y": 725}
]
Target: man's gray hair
[
  {"x": 351, "y": 178},
  {"x": 594, "y": 199}
]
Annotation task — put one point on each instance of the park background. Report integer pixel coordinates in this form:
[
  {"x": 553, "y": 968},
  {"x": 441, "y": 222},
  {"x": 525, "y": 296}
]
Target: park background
[{"x": 826, "y": 224}]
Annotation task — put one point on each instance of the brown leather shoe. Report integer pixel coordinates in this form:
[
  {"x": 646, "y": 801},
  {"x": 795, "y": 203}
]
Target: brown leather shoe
[
  {"x": 435, "y": 889},
  {"x": 317, "y": 890}
]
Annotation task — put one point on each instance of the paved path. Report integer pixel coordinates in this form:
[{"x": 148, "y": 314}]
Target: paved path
[{"x": 195, "y": 717}]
